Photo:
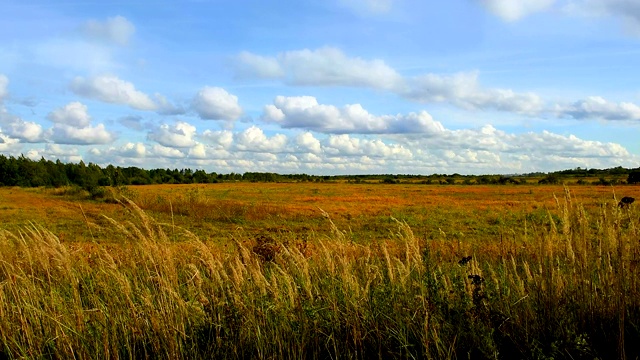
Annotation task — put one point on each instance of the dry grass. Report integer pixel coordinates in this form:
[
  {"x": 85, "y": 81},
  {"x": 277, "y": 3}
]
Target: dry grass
[{"x": 565, "y": 286}]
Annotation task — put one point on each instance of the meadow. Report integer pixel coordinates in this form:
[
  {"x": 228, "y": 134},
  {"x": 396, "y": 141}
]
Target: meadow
[{"x": 320, "y": 270}]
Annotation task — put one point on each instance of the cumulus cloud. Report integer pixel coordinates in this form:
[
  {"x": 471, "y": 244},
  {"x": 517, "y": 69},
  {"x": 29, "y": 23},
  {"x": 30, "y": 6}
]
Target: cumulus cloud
[
  {"x": 477, "y": 144},
  {"x": 328, "y": 66},
  {"x": 115, "y": 29},
  {"x": 304, "y": 112},
  {"x": 347, "y": 145},
  {"x": 72, "y": 125},
  {"x": 166, "y": 152},
  {"x": 4, "y": 84},
  {"x": 73, "y": 114},
  {"x": 132, "y": 150},
  {"x": 198, "y": 151},
  {"x": 322, "y": 67},
  {"x": 306, "y": 142},
  {"x": 129, "y": 153},
  {"x": 180, "y": 135},
  {"x": 18, "y": 129},
  {"x": 221, "y": 139},
  {"x": 214, "y": 103},
  {"x": 512, "y": 10},
  {"x": 570, "y": 146},
  {"x": 7, "y": 143},
  {"x": 596, "y": 107},
  {"x": 253, "y": 139},
  {"x": 111, "y": 89},
  {"x": 464, "y": 90},
  {"x": 55, "y": 152},
  {"x": 331, "y": 67},
  {"x": 25, "y": 131},
  {"x": 61, "y": 150},
  {"x": 65, "y": 134},
  {"x": 470, "y": 151}
]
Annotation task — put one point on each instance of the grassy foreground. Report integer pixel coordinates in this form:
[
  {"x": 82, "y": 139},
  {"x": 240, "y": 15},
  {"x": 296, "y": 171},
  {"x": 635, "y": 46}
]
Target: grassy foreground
[{"x": 566, "y": 287}]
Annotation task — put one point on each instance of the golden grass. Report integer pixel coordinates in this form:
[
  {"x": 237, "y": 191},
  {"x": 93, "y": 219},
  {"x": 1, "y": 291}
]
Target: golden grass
[{"x": 565, "y": 286}]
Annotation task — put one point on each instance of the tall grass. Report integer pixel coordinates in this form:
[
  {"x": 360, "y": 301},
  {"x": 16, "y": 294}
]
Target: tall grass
[{"x": 567, "y": 288}]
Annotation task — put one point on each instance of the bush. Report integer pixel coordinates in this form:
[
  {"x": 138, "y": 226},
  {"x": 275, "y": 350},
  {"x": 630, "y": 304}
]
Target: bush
[
  {"x": 634, "y": 177},
  {"x": 98, "y": 192}
]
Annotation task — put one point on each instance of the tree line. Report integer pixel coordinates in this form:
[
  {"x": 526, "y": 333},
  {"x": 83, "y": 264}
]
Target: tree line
[{"x": 24, "y": 172}]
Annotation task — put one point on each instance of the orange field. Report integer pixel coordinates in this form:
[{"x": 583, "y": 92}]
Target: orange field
[
  {"x": 364, "y": 211},
  {"x": 239, "y": 269}
]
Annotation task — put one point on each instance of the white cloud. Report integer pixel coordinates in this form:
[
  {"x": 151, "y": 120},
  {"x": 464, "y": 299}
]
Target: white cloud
[
  {"x": 113, "y": 90},
  {"x": 322, "y": 67},
  {"x": 596, "y": 107},
  {"x": 73, "y": 114},
  {"x": 306, "y": 142},
  {"x": 4, "y": 84},
  {"x": 198, "y": 152},
  {"x": 346, "y": 145},
  {"x": 493, "y": 147},
  {"x": 65, "y": 134},
  {"x": 252, "y": 65},
  {"x": 25, "y": 131},
  {"x": 18, "y": 129},
  {"x": 253, "y": 139},
  {"x": 463, "y": 90},
  {"x": 132, "y": 150},
  {"x": 180, "y": 135},
  {"x": 214, "y": 103},
  {"x": 469, "y": 151},
  {"x": 305, "y": 112},
  {"x": 7, "y": 143},
  {"x": 129, "y": 153},
  {"x": 56, "y": 152},
  {"x": 60, "y": 150},
  {"x": 311, "y": 158},
  {"x": 331, "y": 67},
  {"x": 116, "y": 29},
  {"x": 167, "y": 152},
  {"x": 547, "y": 143},
  {"x": 221, "y": 139},
  {"x": 512, "y": 10}
]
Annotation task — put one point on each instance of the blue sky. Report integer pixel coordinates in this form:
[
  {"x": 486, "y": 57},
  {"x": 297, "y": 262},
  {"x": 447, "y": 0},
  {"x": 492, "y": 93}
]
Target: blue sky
[{"x": 323, "y": 87}]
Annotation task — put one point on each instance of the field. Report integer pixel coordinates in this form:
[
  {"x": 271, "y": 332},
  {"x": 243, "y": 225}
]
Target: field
[{"x": 320, "y": 270}]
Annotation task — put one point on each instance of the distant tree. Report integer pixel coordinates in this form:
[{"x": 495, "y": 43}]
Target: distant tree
[
  {"x": 634, "y": 177},
  {"x": 201, "y": 177},
  {"x": 550, "y": 179}
]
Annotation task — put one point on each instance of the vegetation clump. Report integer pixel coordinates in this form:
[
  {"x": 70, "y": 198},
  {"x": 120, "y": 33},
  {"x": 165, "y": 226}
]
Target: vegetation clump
[{"x": 22, "y": 171}]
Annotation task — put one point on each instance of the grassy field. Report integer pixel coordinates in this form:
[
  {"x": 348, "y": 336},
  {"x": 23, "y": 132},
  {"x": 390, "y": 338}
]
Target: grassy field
[{"x": 329, "y": 270}]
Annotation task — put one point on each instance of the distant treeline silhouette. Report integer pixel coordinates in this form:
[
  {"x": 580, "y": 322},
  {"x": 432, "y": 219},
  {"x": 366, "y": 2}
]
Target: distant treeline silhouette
[{"x": 22, "y": 171}]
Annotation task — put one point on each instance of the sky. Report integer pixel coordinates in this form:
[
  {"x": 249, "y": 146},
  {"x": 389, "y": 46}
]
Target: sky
[{"x": 323, "y": 87}]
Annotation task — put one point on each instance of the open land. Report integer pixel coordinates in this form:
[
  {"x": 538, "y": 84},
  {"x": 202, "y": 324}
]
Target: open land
[{"x": 320, "y": 270}]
